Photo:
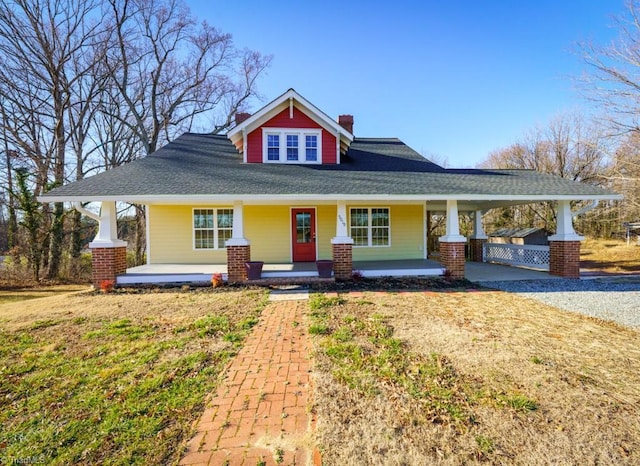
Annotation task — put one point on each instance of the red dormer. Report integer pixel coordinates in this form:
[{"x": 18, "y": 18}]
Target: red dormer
[{"x": 291, "y": 130}]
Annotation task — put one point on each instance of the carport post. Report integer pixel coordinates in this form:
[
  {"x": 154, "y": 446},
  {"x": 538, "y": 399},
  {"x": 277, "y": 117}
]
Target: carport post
[
  {"x": 478, "y": 238},
  {"x": 564, "y": 246},
  {"x": 108, "y": 253},
  {"x": 452, "y": 244}
]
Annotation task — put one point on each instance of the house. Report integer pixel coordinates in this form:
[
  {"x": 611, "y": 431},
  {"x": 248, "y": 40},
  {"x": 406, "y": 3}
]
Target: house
[
  {"x": 290, "y": 185},
  {"x": 534, "y": 236}
]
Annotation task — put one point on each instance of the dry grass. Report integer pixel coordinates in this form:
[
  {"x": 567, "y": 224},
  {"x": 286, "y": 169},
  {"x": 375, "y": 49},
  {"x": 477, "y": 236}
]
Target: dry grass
[
  {"x": 613, "y": 256},
  {"x": 525, "y": 384},
  {"x": 15, "y": 294},
  {"x": 89, "y": 378}
]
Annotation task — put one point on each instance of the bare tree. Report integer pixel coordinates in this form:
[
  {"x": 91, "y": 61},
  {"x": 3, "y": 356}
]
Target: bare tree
[
  {"x": 613, "y": 82},
  {"x": 170, "y": 70},
  {"x": 8, "y": 198},
  {"x": 41, "y": 41},
  {"x": 167, "y": 71},
  {"x": 88, "y": 85},
  {"x": 568, "y": 147},
  {"x": 624, "y": 175}
]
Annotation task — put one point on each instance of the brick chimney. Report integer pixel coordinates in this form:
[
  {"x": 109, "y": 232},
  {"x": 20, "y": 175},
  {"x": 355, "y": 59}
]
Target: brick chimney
[
  {"x": 241, "y": 116},
  {"x": 346, "y": 121}
]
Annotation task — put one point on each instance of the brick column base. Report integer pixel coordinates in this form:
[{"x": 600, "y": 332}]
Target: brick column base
[
  {"x": 452, "y": 258},
  {"x": 564, "y": 258},
  {"x": 476, "y": 249},
  {"x": 107, "y": 264},
  {"x": 236, "y": 257},
  {"x": 342, "y": 261}
]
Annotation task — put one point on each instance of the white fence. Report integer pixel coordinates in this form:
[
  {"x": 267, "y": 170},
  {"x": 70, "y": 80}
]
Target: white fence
[{"x": 516, "y": 254}]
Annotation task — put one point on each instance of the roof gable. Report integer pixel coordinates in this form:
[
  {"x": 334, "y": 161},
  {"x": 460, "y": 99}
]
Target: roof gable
[{"x": 289, "y": 99}]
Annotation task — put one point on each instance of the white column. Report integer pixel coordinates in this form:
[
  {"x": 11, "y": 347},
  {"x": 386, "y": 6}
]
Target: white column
[
  {"x": 342, "y": 233},
  {"x": 107, "y": 236},
  {"x": 478, "y": 229},
  {"x": 237, "y": 233},
  {"x": 453, "y": 225},
  {"x": 244, "y": 145},
  {"x": 564, "y": 227}
]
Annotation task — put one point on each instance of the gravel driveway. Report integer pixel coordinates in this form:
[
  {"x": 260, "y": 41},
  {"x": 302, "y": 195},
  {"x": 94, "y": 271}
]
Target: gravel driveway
[{"x": 611, "y": 298}]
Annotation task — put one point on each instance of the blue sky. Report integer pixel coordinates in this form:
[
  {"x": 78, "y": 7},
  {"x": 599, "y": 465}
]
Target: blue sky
[{"x": 457, "y": 79}]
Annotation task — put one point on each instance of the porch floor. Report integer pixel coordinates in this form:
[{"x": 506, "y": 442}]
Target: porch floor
[{"x": 201, "y": 273}]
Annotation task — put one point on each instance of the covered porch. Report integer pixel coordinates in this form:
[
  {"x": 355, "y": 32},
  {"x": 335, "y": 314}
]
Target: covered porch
[
  {"x": 477, "y": 272},
  {"x": 202, "y": 273},
  {"x": 109, "y": 252}
]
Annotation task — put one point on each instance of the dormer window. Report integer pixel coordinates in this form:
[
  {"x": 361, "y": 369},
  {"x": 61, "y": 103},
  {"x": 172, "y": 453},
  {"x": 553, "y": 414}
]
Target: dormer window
[
  {"x": 311, "y": 147},
  {"x": 273, "y": 147},
  {"x": 292, "y": 147},
  {"x": 283, "y": 145}
]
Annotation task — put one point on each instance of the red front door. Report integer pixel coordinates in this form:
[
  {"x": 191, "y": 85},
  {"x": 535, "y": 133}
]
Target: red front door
[{"x": 303, "y": 234}]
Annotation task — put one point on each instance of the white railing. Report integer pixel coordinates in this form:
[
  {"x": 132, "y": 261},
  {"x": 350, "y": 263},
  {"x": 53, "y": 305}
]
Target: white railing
[{"x": 517, "y": 254}]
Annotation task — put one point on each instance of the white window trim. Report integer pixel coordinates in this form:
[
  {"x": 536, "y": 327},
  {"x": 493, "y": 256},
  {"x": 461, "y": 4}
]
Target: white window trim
[
  {"x": 370, "y": 227},
  {"x": 216, "y": 239},
  {"x": 302, "y": 148}
]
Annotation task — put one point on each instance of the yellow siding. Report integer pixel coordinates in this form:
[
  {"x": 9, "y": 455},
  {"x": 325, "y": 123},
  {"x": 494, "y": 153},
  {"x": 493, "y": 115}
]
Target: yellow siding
[
  {"x": 407, "y": 240},
  {"x": 171, "y": 237},
  {"x": 268, "y": 229},
  {"x": 326, "y": 229}
]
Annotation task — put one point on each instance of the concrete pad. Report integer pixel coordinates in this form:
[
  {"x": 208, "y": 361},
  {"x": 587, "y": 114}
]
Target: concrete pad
[
  {"x": 289, "y": 295},
  {"x": 483, "y": 272}
]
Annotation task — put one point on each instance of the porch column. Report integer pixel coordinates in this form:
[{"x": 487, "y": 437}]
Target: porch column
[
  {"x": 452, "y": 244},
  {"x": 564, "y": 246},
  {"x": 238, "y": 247},
  {"x": 108, "y": 253},
  {"x": 341, "y": 245},
  {"x": 478, "y": 238}
]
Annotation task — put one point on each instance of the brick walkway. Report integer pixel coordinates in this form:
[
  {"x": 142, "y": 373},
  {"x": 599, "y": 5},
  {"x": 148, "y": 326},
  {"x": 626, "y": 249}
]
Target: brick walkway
[{"x": 260, "y": 413}]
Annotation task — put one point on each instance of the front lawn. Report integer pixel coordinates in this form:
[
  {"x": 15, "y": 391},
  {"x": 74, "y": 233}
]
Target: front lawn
[
  {"x": 471, "y": 376},
  {"x": 613, "y": 256},
  {"x": 116, "y": 378},
  {"x": 14, "y": 294}
]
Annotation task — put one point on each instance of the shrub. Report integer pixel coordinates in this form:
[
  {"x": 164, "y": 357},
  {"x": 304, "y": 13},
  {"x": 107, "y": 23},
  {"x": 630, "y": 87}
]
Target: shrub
[
  {"x": 216, "y": 280},
  {"x": 106, "y": 286}
]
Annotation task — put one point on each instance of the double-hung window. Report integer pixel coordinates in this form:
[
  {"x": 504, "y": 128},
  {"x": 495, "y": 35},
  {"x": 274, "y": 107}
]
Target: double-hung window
[
  {"x": 212, "y": 228},
  {"x": 370, "y": 226},
  {"x": 292, "y": 145},
  {"x": 273, "y": 147},
  {"x": 311, "y": 147}
]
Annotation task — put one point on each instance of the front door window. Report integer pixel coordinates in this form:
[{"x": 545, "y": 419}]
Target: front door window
[
  {"x": 303, "y": 227},
  {"x": 303, "y": 235}
]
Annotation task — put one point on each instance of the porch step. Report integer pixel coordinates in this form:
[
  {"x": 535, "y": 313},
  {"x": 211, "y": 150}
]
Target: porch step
[
  {"x": 289, "y": 293},
  {"x": 279, "y": 281},
  {"x": 165, "y": 278},
  {"x": 288, "y": 274}
]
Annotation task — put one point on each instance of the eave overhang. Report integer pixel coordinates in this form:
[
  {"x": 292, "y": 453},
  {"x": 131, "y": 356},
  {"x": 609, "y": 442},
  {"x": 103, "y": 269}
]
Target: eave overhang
[{"x": 466, "y": 202}]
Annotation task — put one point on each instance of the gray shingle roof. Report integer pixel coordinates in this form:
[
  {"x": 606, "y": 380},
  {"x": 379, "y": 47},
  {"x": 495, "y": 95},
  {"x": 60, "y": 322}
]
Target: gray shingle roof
[
  {"x": 515, "y": 232},
  {"x": 209, "y": 165}
]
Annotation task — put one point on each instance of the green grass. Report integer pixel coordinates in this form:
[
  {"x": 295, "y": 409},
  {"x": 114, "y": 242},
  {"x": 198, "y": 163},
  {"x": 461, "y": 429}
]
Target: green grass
[
  {"x": 485, "y": 444},
  {"x": 518, "y": 402},
  {"x": 91, "y": 390}
]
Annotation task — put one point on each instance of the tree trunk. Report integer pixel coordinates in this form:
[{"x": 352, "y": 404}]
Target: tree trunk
[
  {"x": 76, "y": 243},
  {"x": 57, "y": 225},
  {"x": 140, "y": 237}
]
